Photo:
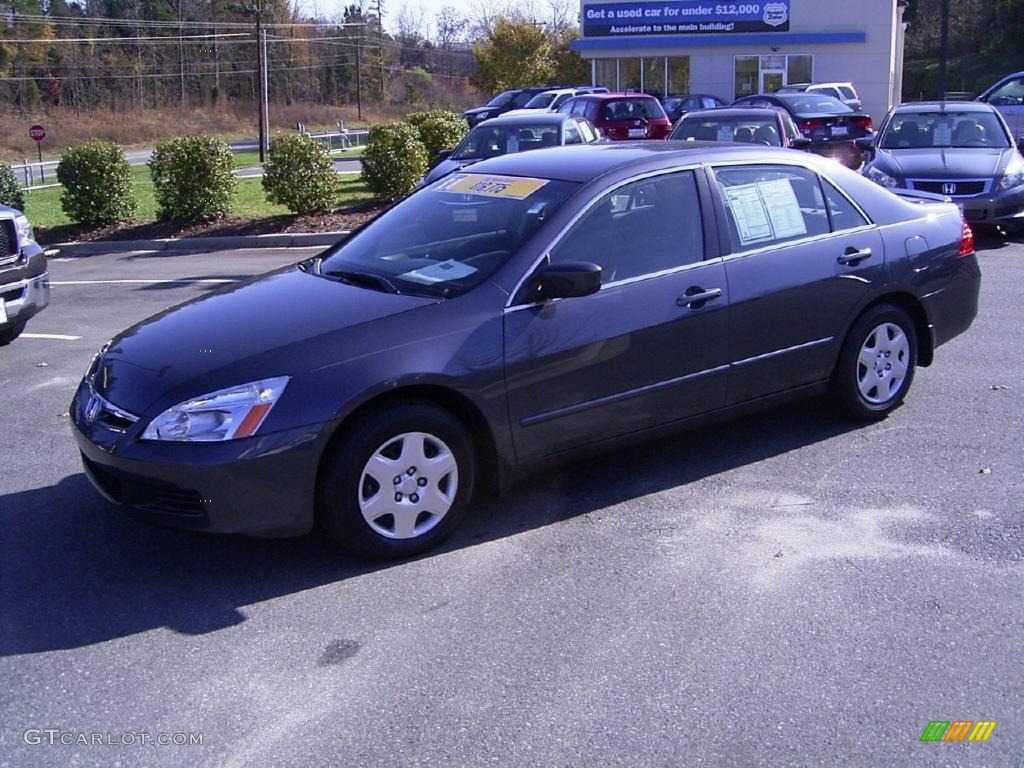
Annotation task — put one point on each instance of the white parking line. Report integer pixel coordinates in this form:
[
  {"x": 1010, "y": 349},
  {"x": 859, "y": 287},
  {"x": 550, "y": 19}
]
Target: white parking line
[
  {"x": 60, "y": 336},
  {"x": 144, "y": 282}
]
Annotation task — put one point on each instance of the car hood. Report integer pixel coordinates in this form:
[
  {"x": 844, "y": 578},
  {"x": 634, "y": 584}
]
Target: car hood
[
  {"x": 479, "y": 110},
  {"x": 443, "y": 168},
  {"x": 284, "y": 323},
  {"x": 954, "y": 163}
]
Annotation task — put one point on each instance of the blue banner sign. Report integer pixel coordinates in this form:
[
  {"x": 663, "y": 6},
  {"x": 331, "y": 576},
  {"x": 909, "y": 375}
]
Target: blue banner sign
[{"x": 684, "y": 17}]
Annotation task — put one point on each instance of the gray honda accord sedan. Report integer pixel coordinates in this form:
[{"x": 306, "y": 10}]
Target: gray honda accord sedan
[
  {"x": 542, "y": 305},
  {"x": 962, "y": 150}
]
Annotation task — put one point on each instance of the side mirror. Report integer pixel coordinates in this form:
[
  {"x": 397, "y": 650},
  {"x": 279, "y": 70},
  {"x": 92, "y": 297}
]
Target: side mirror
[
  {"x": 564, "y": 280},
  {"x": 442, "y": 154},
  {"x": 865, "y": 143},
  {"x": 801, "y": 142}
]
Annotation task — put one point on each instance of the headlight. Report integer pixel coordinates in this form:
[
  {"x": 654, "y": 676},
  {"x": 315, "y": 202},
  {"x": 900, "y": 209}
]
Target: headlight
[
  {"x": 25, "y": 234},
  {"x": 1014, "y": 175},
  {"x": 881, "y": 178},
  {"x": 222, "y": 415},
  {"x": 482, "y": 115}
]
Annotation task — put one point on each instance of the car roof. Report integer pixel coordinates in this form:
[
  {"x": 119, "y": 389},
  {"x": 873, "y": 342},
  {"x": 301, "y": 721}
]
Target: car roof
[
  {"x": 616, "y": 95},
  {"x": 732, "y": 112},
  {"x": 531, "y": 117},
  {"x": 584, "y": 162},
  {"x": 944, "y": 106}
]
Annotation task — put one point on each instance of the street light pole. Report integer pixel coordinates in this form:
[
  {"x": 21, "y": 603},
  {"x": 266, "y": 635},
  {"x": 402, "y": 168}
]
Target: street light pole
[{"x": 944, "y": 50}]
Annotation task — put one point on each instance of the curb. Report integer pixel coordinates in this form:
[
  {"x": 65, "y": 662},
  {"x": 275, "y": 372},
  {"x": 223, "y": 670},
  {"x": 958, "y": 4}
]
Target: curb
[{"x": 198, "y": 244}]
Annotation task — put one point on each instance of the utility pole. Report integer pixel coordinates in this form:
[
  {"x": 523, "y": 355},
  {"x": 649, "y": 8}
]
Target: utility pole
[
  {"x": 264, "y": 98},
  {"x": 944, "y": 49},
  {"x": 359, "y": 82}
]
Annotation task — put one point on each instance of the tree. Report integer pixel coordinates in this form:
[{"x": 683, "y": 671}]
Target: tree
[
  {"x": 570, "y": 67},
  {"x": 516, "y": 52}
]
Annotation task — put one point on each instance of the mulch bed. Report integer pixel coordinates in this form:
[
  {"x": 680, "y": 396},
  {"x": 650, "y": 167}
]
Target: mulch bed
[{"x": 337, "y": 221}]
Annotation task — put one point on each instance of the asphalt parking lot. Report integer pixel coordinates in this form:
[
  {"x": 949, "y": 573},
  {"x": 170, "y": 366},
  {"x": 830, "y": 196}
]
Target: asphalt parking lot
[{"x": 788, "y": 589}]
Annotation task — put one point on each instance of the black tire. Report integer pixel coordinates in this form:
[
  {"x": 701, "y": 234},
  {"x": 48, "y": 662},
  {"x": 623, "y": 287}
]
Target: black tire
[
  {"x": 342, "y": 482},
  {"x": 850, "y": 370},
  {"x": 7, "y": 335}
]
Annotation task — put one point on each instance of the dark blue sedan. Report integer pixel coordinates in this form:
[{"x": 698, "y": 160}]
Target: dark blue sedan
[{"x": 540, "y": 305}]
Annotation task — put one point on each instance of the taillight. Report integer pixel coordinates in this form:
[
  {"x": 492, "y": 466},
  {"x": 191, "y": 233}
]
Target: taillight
[
  {"x": 865, "y": 123},
  {"x": 808, "y": 127},
  {"x": 966, "y": 241}
]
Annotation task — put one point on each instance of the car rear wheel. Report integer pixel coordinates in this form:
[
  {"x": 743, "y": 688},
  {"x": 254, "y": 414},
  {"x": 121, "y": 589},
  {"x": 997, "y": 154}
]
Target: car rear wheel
[
  {"x": 399, "y": 484},
  {"x": 7, "y": 335},
  {"x": 877, "y": 362}
]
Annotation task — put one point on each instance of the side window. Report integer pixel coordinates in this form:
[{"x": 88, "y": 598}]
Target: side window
[
  {"x": 767, "y": 204},
  {"x": 639, "y": 228},
  {"x": 842, "y": 212},
  {"x": 1008, "y": 94},
  {"x": 709, "y": 103},
  {"x": 580, "y": 107},
  {"x": 572, "y": 133},
  {"x": 568, "y": 106},
  {"x": 560, "y": 100}
]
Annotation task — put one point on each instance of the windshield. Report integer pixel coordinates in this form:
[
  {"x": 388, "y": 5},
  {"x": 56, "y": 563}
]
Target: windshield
[
  {"x": 758, "y": 130},
  {"x": 493, "y": 140},
  {"x": 631, "y": 109},
  {"x": 502, "y": 99},
  {"x": 541, "y": 101},
  {"x": 809, "y": 103},
  {"x": 450, "y": 237},
  {"x": 944, "y": 129}
]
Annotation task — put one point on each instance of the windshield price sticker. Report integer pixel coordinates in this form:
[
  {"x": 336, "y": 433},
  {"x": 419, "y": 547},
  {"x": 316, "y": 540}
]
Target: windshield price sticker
[
  {"x": 725, "y": 133},
  {"x": 513, "y": 187}
]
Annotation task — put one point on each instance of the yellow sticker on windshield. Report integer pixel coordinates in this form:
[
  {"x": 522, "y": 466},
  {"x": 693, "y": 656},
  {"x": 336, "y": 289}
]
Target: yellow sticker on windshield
[{"x": 515, "y": 187}]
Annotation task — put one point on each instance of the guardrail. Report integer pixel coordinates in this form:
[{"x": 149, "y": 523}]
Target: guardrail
[
  {"x": 345, "y": 138},
  {"x": 36, "y": 175}
]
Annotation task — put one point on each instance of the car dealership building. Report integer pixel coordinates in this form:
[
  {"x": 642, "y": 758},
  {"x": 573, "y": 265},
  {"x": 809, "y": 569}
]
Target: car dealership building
[{"x": 736, "y": 49}]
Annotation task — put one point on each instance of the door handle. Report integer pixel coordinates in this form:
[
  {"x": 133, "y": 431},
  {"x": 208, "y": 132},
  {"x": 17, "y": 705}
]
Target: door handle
[
  {"x": 696, "y": 297},
  {"x": 853, "y": 256}
]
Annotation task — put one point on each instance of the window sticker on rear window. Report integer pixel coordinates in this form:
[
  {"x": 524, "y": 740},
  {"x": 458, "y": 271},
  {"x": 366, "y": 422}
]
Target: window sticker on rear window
[
  {"x": 748, "y": 210},
  {"x": 783, "y": 208},
  {"x": 725, "y": 132},
  {"x": 514, "y": 187},
  {"x": 439, "y": 273}
]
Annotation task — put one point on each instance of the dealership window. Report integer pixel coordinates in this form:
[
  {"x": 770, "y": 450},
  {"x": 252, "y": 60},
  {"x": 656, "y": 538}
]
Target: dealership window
[
  {"x": 655, "y": 74},
  {"x": 605, "y": 73},
  {"x": 678, "y": 74},
  {"x": 765, "y": 74},
  {"x": 629, "y": 74}
]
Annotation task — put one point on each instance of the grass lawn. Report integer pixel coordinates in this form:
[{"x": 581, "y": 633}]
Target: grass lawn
[{"x": 44, "y": 210}]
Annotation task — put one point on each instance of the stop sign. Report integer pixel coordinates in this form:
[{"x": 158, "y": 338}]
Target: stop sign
[{"x": 37, "y": 133}]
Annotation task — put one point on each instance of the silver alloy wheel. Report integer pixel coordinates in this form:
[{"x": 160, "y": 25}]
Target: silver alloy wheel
[
  {"x": 408, "y": 485},
  {"x": 883, "y": 363}
]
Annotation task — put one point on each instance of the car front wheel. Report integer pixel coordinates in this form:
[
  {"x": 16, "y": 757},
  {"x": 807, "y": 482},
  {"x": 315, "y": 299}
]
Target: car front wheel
[
  {"x": 399, "y": 483},
  {"x": 877, "y": 362}
]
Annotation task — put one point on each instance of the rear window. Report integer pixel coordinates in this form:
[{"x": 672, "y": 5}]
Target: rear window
[
  {"x": 631, "y": 109},
  {"x": 848, "y": 92},
  {"x": 815, "y": 104}
]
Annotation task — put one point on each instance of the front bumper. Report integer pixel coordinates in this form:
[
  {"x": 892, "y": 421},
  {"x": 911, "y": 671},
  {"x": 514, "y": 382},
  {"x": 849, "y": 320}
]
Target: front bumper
[
  {"x": 261, "y": 486},
  {"x": 24, "y": 298},
  {"x": 994, "y": 208}
]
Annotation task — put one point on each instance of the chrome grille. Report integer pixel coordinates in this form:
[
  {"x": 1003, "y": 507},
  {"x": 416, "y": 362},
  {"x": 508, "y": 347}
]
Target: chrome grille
[
  {"x": 952, "y": 187},
  {"x": 8, "y": 242}
]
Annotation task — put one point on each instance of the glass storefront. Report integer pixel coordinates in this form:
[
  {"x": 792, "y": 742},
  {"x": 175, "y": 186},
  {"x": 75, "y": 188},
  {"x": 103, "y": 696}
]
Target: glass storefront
[{"x": 655, "y": 74}]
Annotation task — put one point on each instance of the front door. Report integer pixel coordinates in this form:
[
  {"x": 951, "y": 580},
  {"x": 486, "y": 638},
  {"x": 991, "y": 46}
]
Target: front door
[
  {"x": 650, "y": 347},
  {"x": 772, "y": 80}
]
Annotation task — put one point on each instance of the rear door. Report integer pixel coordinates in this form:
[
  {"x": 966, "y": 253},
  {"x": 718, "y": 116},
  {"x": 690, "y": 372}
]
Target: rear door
[
  {"x": 1008, "y": 98},
  {"x": 802, "y": 258},
  {"x": 650, "y": 347}
]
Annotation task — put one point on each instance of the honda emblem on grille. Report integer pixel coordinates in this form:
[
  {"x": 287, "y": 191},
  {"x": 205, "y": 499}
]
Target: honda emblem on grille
[{"x": 949, "y": 189}]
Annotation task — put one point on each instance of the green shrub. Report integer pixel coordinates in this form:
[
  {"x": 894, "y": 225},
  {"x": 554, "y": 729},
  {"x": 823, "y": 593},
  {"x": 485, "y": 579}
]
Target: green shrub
[
  {"x": 438, "y": 129},
  {"x": 299, "y": 173},
  {"x": 394, "y": 160},
  {"x": 97, "y": 183},
  {"x": 192, "y": 179},
  {"x": 10, "y": 192}
]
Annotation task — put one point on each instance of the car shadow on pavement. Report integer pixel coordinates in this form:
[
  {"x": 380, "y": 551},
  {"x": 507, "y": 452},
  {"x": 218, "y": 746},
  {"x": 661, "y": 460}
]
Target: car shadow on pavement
[{"x": 77, "y": 571}]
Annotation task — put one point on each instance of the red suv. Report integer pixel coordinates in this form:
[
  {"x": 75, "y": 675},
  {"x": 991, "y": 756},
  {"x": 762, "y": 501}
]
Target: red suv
[{"x": 621, "y": 116}]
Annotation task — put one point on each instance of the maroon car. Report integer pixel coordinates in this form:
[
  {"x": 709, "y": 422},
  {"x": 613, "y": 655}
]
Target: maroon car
[{"x": 621, "y": 116}]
